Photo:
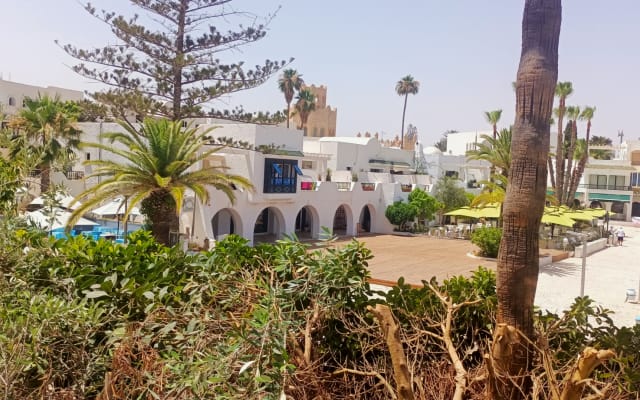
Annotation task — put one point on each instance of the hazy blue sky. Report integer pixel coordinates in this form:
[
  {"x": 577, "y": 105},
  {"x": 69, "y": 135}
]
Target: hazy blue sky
[{"x": 465, "y": 54}]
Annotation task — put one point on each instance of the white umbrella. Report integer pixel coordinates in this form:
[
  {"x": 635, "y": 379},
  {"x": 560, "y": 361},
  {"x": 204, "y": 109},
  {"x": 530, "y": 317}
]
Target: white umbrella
[
  {"x": 115, "y": 207},
  {"x": 61, "y": 200},
  {"x": 57, "y": 220}
]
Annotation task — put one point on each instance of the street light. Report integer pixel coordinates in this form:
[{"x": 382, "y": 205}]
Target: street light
[{"x": 583, "y": 238}]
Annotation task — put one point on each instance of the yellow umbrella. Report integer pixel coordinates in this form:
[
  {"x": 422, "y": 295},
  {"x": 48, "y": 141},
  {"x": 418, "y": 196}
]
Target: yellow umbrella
[
  {"x": 580, "y": 215},
  {"x": 464, "y": 212},
  {"x": 557, "y": 219},
  {"x": 490, "y": 211}
]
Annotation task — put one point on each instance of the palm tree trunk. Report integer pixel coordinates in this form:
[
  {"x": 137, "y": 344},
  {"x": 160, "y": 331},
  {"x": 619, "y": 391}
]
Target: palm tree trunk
[
  {"x": 45, "y": 177},
  {"x": 560, "y": 153},
  {"x": 404, "y": 109},
  {"x": 518, "y": 257},
  {"x": 288, "y": 113},
  {"x": 551, "y": 173},
  {"x": 582, "y": 163},
  {"x": 568, "y": 175}
]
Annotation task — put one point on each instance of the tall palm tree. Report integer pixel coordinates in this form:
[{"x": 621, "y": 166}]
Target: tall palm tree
[
  {"x": 47, "y": 126},
  {"x": 586, "y": 114},
  {"x": 518, "y": 257},
  {"x": 496, "y": 150},
  {"x": 405, "y": 87},
  {"x": 562, "y": 91},
  {"x": 154, "y": 165},
  {"x": 306, "y": 103},
  {"x": 493, "y": 117},
  {"x": 290, "y": 82},
  {"x": 573, "y": 113}
]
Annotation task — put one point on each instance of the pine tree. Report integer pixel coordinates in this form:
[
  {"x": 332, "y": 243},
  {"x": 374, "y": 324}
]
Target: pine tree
[{"x": 167, "y": 59}]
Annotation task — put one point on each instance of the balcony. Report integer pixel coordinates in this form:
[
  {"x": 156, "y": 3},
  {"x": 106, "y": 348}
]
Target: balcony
[
  {"x": 308, "y": 186},
  {"x": 605, "y": 187},
  {"x": 368, "y": 186},
  {"x": 407, "y": 188},
  {"x": 74, "y": 175}
]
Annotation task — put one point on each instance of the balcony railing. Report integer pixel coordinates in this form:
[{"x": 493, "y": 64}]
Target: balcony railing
[
  {"x": 34, "y": 173},
  {"x": 74, "y": 175},
  {"x": 406, "y": 187},
  {"x": 368, "y": 186},
  {"x": 308, "y": 186},
  {"x": 343, "y": 186},
  {"x": 605, "y": 187}
]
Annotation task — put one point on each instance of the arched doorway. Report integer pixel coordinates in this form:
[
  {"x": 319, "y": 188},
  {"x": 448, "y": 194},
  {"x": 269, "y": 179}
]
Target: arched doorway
[
  {"x": 342, "y": 221},
  {"x": 618, "y": 208},
  {"x": 595, "y": 204},
  {"x": 364, "y": 221},
  {"x": 269, "y": 226},
  {"x": 226, "y": 222},
  {"x": 307, "y": 223}
]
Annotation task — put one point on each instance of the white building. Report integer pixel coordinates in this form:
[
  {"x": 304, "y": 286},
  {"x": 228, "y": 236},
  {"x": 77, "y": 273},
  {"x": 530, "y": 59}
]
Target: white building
[{"x": 12, "y": 94}]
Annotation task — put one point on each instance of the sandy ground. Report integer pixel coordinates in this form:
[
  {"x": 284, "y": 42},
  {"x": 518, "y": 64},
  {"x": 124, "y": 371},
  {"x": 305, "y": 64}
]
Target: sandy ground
[{"x": 609, "y": 273}]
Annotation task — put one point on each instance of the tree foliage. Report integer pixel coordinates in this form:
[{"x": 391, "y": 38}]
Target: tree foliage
[
  {"x": 166, "y": 60},
  {"x": 46, "y": 127},
  {"x": 425, "y": 204},
  {"x": 154, "y": 164},
  {"x": 448, "y": 192},
  {"x": 401, "y": 213}
]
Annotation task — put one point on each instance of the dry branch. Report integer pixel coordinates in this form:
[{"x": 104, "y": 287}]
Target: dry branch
[
  {"x": 391, "y": 332},
  {"x": 587, "y": 362}
]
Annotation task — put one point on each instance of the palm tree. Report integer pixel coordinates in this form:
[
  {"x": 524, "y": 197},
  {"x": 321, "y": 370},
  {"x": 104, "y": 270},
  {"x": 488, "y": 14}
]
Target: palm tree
[
  {"x": 586, "y": 114},
  {"x": 154, "y": 165},
  {"x": 304, "y": 106},
  {"x": 562, "y": 90},
  {"x": 600, "y": 154},
  {"x": 496, "y": 150},
  {"x": 405, "y": 87},
  {"x": 573, "y": 113},
  {"x": 289, "y": 83},
  {"x": 47, "y": 126},
  {"x": 518, "y": 257},
  {"x": 493, "y": 117}
]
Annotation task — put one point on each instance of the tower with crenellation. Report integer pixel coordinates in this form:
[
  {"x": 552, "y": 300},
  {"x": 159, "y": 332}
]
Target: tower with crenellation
[{"x": 322, "y": 121}]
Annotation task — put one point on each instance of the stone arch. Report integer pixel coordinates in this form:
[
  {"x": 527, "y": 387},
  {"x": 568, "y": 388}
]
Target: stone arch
[
  {"x": 343, "y": 220},
  {"x": 619, "y": 208},
  {"x": 269, "y": 225},
  {"x": 307, "y": 224},
  {"x": 596, "y": 204},
  {"x": 366, "y": 218},
  {"x": 226, "y": 222}
]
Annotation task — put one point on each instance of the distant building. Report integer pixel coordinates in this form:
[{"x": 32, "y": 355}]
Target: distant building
[
  {"x": 322, "y": 121},
  {"x": 12, "y": 94}
]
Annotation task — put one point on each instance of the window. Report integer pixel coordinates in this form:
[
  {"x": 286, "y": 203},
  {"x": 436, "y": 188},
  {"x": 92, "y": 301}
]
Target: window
[
  {"x": 280, "y": 176},
  {"x": 184, "y": 124},
  {"x": 376, "y": 170},
  {"x": 617, "y": 182},
  {"x": 12, "y": 101},
  {"x": 635, "y": 179},
  {"x": 87, "y": 156},
  {"x": 451, "y": 174},
  {"x": 597, "y": 181},
  {"x": 307, "y": 164}
]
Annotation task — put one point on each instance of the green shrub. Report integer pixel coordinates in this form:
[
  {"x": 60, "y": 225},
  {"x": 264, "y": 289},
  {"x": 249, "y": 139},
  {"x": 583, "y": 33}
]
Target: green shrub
[
  {"x": 488, "y": 240},
  {"x": 400, "y": 213}
]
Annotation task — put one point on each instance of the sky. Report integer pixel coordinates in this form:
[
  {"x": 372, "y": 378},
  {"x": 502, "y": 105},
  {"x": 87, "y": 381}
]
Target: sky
[{"x": 464, "y": 53}]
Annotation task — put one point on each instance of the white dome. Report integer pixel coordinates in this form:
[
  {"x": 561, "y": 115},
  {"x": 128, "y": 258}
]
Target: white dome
[{"x": 430, "y": 150}]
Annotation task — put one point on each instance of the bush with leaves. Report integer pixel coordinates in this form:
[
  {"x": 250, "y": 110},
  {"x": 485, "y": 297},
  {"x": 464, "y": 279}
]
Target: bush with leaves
[
  {"x": 488, "y": 240},
  {"x": 400, "y": 214}
]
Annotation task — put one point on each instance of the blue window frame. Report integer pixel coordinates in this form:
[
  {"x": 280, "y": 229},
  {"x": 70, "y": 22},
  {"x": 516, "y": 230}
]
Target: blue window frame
[
  {"x": 280, "y": 176},
  {"x": 297, "y": 169}
]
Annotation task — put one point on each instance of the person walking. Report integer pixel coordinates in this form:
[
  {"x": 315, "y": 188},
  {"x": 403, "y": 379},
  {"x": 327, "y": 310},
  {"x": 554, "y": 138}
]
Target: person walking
[{"x": 620, "y": 235}]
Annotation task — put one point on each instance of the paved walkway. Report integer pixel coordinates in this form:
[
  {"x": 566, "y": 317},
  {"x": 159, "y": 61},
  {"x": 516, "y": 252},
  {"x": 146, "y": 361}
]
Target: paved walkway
[{"x": 609, "y": 273}]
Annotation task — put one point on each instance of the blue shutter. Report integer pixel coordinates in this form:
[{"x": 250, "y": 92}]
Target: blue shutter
[{"x": 298, "y": 170}]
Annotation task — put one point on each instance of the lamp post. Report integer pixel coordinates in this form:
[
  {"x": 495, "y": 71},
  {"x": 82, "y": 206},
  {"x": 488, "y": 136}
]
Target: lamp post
[{"x": 583, "y": 273}]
